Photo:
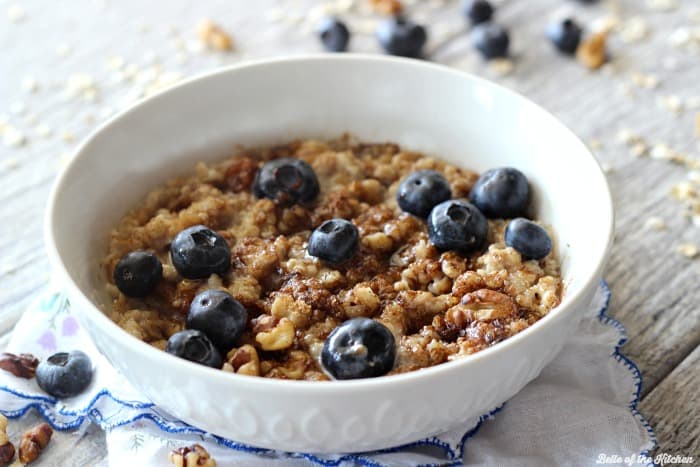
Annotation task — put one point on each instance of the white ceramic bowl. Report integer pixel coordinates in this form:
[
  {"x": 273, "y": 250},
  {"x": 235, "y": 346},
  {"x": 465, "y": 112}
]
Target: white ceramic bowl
[{"x": 422, "y": 106}]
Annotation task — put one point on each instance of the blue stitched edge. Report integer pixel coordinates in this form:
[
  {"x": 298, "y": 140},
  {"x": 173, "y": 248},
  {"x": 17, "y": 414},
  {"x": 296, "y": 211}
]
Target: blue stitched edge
[
  {"x": 44, "y": 406},
  {"x": 629, "y": 365}
]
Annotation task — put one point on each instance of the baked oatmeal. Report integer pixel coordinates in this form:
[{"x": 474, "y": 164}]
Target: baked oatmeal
[{"x": 315, "y": 260}]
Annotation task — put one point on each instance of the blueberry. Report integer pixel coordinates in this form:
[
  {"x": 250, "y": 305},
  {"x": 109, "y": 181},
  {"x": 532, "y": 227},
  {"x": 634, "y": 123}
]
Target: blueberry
[
  {"x": 65, "y": 374},
  {"x": 198, "y": 252},
  {"x": 194, "y": 346},
  {"x": 334, "y": 35},
  {"x": 529, "y": 239},
  {"x": 457, "y": 225},
  {"x": 565, "y": 35},
  {"x": 137, "y": 273},
  {"x": 286, "y": 181},
  {"x": 359, "y": 348},
  {"x": 491, "y": 40},
  {"x": 399, "y": 36},
  {"x": 501, "y": 193},
  {"x": 334, "y": 241},
  {"x": 421, "y": 191},
  {"x": 478, "y": 11},
  {"x": 218, "y": 315}
]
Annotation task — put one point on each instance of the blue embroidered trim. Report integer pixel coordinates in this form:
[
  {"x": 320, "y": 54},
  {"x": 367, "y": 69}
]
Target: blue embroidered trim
[{"x": 46, "y": 406}]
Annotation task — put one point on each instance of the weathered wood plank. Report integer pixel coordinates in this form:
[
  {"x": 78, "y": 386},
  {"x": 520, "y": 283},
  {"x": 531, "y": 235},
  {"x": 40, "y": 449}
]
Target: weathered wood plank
[{"x": 673, "y": 408}]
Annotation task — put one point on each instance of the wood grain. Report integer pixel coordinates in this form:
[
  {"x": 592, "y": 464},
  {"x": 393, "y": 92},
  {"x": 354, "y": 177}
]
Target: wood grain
[{"x": 654, "y": 289}]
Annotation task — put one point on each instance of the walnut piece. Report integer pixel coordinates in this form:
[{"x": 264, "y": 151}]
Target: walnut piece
[
  {"x": 191, "y": 456},
  {"x": 278, "y": 338},
  {"x": 213, "y": 36},
  {"x": 22, "y": 365},
  {"x": 33, "y": 442},
  {"x": 481, "y": 305},
  {"x": 387, "y": 7},
  {"x": 7, "y": 449},
  {"x": 592, "y": 52},
  {"x": 245, "y": 360}
]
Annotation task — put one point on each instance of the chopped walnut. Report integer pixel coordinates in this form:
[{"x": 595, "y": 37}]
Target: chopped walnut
[
  {"x": 280, "y": 337},
  {"x": 22, "y": 365},
  {"x": 33, "y": 442},
  {"x": 213, "y": 36},
  {"x": 244, "y": 360},
  {"x": 387, "y": 7},
  {"x": 7, "y": 449},
  {"x": 191, "y": 456},
  {"x": 482, "y": 305},
  {"x": 592, "y": 52}
]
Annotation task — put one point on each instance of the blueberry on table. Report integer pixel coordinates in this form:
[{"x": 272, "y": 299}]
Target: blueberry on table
[
  {"x": 194, "y": 346},
  {"x": 334, "y": 35},
  {"x": 491, "y": 40},
  {"x": 457, "y": 225},
  {"x": 421, "y": 191},
  {"x": 399, "y": 36},
  {"x": 218, "y": 315},
  {"x": 359, "y": 348},
  {"x": 137, "y": 273},
  {"x": 198, "y": 252},
  {"x": 529, "y": 239},
  {"x": 478, "y": 11},
  {"x": 501, "y": 193},
  {"x": 565, "y": 35},
  {"x": 334, "y": 241},
  {"x": 286, "y": 181},
  {"x": 65, "y": 374}
]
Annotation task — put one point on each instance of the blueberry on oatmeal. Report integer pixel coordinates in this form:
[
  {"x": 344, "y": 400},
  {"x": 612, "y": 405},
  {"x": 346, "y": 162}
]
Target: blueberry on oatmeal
[
  {"x": 198, "y": 252},
  {"x": 478, "y": 11},
  {"x": 501, "y": 193},
  {"x": 334, "y": 241},
  {"x": 137, "y": 273},
  {"x": 457, "y": 225},
  {"x": 65, "y": 374},
  {"x": 399, "y": 36},
  {"x": 421, "y": 191},
  {"x": 359, "y": 348},
  {"x": 491, "y": 40},
  {"x": 529, "y": 239},
  {"x": 195, "y": 346},
  {"x": 565, "y": 35},
  {"x": 286, "y": 181},
  {"x": 334, "y": 35},
  {"x": 218, "y": 315}
]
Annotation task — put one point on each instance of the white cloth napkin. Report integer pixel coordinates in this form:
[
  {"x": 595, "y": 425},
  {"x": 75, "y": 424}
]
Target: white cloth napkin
[{"x": 582, "y": 406}]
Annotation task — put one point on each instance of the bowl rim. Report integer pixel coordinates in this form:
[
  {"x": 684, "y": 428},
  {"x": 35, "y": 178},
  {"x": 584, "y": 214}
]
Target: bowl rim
[{"x": 303, "y": 386}]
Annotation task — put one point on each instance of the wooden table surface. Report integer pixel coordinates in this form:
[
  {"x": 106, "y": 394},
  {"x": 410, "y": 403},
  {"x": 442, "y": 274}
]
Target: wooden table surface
[{"x": 66, "y": 66}]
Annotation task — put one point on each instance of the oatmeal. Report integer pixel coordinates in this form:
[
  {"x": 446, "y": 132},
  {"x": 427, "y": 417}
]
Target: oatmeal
[{"x": 308, "y": 248}]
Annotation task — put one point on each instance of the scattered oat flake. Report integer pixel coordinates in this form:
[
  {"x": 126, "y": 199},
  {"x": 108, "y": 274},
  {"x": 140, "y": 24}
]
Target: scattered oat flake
[
  {"x": 43, "y": 130},
  {"x": 386, "y": 7},
  {"x": 634, "y": 30},
  {"x": 684, "y": 191},
  {"x": 662, "y": 5},
  {"x": 12, "y": 137},
  {"x": 639, "y": 149},
  {"x": 672, "y": 103},
  {"x": 689, "y": 250},
  {"x": 662, "y": 151},
  {"x": 595, "y": 144},
  {"x": 116, "y": 62},
  {"x": 67, "y": 136},
  {"x": 15, "y": 13},
  {"x": 63, "y": 50},
  {"x": 643, "y": 80},
  {"x": 501, "y": 66},
  {"x": 697, "y": 124},
  {"x": 30, "y": 84},
  {"x": 11, "y": 163},
  {"x": 655, "y": 223}
]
